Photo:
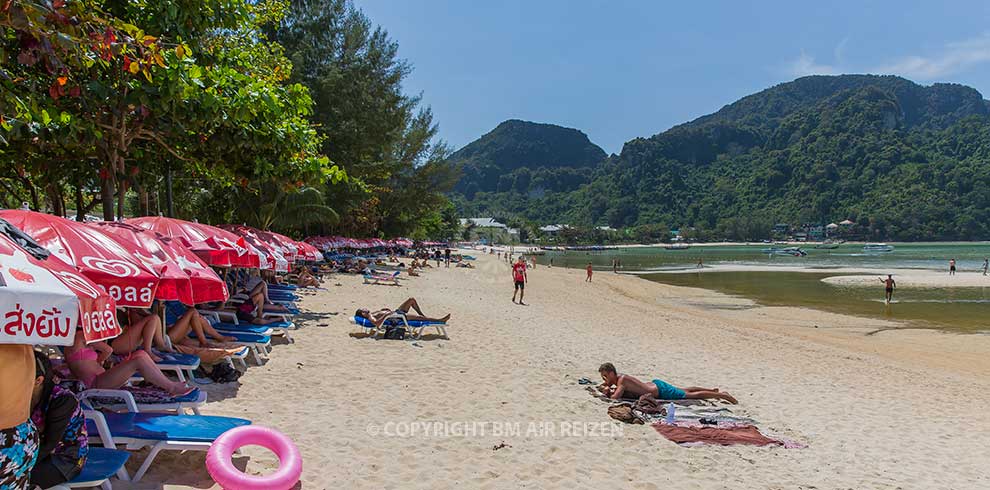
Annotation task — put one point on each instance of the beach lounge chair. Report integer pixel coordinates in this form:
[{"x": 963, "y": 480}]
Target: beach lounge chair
[
  {"x": 101, "y": 465},
  {"x": 159, "y": 432},
  {"x": 123, "y": 399},
  {"x": 258, "y": 345},
  {"x": 392, "y": 279},
  {"x": 414, "y": 327}
]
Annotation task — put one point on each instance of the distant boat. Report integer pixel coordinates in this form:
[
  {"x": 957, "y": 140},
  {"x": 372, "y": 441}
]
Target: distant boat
[
  {"x": 829, "y": 245},
  {"x": 878, "y": 248},
  {"x": 677, "y": 246},
  {"x": 791, "y": 251}
]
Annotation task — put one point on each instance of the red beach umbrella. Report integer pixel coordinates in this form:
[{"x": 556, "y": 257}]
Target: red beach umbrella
[
  {"x": 43, "y": 300},
  {"x": 184, "y": 277},
  {"x": 96, "y": 255},
  {"x": 215, "y": 246}
]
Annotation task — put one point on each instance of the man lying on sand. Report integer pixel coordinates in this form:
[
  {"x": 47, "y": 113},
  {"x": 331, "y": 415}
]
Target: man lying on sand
[
  {"x": 378, "y": 317},
  {"x": 617, "y": 386}
]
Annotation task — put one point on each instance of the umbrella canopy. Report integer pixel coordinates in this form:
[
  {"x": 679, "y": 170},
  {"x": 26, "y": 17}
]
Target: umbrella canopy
[
  {"x": 265, "y": 243},
  {"x": 185, "y": 278},
  {"x": 99, "y": 258},
  {"x": 43, "y": 300},
  {"x": 215, "y": 246},
  {"x": 309, "y": 251}
]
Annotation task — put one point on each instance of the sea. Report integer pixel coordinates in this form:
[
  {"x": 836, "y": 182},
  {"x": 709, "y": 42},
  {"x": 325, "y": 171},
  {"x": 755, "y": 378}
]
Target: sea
[{"x": 959, "y": 309}]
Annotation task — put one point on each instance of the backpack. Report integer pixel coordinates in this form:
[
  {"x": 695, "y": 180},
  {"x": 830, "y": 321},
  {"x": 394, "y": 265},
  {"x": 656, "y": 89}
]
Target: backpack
[
  {"x": 395, "y": 332},
  {"x": 223, "y": 373}
]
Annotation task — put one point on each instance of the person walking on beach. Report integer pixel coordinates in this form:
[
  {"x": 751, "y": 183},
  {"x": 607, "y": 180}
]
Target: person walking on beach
[
  {"x": 446, "y": 257},
  {"x": 615, "y": 266},
  {"x": 520, "y": 280},
  {"x": 986, "y": 265},
  {"x": 589, "y": 269},
  {"x": 889, "y": 286},
  {"x": 952, "y": 267},
  {"x": 551, "y": 261}
]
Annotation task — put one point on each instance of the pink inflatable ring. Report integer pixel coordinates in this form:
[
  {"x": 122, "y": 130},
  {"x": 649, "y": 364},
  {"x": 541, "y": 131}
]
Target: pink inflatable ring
[{"x": 221, "y": 468}]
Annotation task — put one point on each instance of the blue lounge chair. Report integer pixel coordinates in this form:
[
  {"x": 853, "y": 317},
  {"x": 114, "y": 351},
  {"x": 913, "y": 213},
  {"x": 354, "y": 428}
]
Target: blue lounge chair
[
  {"x": 101, "y": 465},
  {"x": 156, "y": 431},
  {"x": 122, "y": 399},
  {"x": 414, "y": 327},
  {"x": 382, "y": 279}
]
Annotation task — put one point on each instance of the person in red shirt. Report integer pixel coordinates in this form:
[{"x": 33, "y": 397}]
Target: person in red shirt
[
  {"x": 589, "y": 272},
  {"x": 519, "y": 277}
]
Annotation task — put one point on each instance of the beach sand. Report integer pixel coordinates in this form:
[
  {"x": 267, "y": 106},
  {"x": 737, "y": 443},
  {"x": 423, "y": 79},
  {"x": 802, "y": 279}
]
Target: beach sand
[{"x": 899, "y": 409}]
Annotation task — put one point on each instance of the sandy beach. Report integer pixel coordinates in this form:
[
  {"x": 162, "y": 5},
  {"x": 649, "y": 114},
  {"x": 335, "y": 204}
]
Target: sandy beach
[{"x": 898, "y": 409}]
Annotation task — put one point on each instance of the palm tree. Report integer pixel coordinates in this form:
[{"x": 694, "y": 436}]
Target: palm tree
[{"x": 288, "y": 210}]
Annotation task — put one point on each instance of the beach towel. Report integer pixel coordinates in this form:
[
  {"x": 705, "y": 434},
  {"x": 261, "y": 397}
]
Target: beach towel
[{"x": 728, "y": 436}]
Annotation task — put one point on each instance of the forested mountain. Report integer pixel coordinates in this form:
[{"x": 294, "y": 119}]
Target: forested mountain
[
  {"x": 526, "y": 157},
  {"x": 909, "y": 162}
]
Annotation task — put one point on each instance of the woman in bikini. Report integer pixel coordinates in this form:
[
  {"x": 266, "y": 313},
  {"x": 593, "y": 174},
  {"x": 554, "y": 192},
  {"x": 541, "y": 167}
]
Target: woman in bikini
[
  {"x": 378, "y": 317},
  {"x": 86, "y": 364}
]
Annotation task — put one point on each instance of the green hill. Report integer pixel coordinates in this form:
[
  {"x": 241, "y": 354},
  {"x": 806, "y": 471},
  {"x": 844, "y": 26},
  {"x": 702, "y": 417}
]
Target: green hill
[
  {"x": 909, "y": 162},
  {"x": 523, "y": 155}
]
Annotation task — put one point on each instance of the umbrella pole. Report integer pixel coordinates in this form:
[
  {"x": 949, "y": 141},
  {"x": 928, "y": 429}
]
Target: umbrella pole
[{"x": 161, "y": 316}]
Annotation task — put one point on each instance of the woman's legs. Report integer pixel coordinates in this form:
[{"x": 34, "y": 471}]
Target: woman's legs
[
  {"x": 202, "y": 325},
  {"x": 181, "y": 328},
  {"x": 141, "y": 333},
  {"x": 411, "y": 303},
  {"x": 139, "y": 362}
]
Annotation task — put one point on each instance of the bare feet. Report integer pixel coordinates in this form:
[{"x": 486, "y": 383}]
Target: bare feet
[
  {"x": 444, "y": 319},
  {"x": 729, "y": 398},
  {"x": 180, "y": 389}
]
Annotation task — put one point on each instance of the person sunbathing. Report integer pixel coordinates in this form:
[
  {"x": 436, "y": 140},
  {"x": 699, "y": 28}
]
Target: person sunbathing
[
  {"x": 86, "y": 363},
  {"x": 178, "y": 332},
  {"x": 139, "y": 333},
  {"x": 378, "y": 317},
  {"x": 305, "y": 279},
  {"x": 617, "y": 386}
]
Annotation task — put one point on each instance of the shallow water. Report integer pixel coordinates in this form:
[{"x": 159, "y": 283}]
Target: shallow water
[{"x": 958, "y": 309}]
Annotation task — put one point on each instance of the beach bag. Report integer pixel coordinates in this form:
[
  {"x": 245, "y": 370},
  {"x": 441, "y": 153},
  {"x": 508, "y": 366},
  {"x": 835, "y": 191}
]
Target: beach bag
[
  {"x": 623, "y": 413},
  {"x": 395, "y": 332},
  {"x": 223, "y": 373}
]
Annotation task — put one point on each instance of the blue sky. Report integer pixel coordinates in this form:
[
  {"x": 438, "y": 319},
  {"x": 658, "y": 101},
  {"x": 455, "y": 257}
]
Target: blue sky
[{"x": 623, "y": 69}]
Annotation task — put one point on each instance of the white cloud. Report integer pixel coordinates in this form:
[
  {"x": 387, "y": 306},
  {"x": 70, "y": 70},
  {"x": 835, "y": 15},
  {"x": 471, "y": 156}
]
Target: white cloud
[
  {"x": 805, "y": 65},
  {"x": 953, "y": 58}
]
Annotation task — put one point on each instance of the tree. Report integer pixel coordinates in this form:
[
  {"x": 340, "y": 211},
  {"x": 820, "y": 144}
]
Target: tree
[{"x": 381, "y": 137}]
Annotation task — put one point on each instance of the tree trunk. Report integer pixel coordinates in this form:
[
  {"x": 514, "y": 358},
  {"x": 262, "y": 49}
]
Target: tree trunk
[
  {"x": 80, "y": 205},
  {"x": 106, "y": 194},
  {"x": 168, "y": 190},
  {"x": 143, "y": 208},
  {"x": 121, "y": 195}
]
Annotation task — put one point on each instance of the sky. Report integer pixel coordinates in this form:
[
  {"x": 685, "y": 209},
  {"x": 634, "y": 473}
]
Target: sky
[{"x": 625, "y": 69}]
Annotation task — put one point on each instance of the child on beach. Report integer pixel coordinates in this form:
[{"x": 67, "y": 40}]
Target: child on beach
[{"x": 617, "y": 386}]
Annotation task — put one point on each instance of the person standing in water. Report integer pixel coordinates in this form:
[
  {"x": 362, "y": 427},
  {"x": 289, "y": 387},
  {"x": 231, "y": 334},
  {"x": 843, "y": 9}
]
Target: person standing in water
[
  {"x": 589, "y": 269},
  {"x": 889, "y": 286},
  {"x": 952, "y": 267},
  {"x": 986, "y": 265}
]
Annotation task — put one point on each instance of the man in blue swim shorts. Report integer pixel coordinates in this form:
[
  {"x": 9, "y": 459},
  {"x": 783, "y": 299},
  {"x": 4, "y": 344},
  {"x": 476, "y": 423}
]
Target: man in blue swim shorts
[{"x": 618, "y": 386}]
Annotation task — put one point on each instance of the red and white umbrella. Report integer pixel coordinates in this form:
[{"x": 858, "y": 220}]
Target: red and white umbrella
[
  {"x": 264, "y": 242},
  {"x": 185, "y": 278},
  {"x": 215, "y": 246},
  {"x": 99, "y": 258},
  {"x": 44, "y": 301}
]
